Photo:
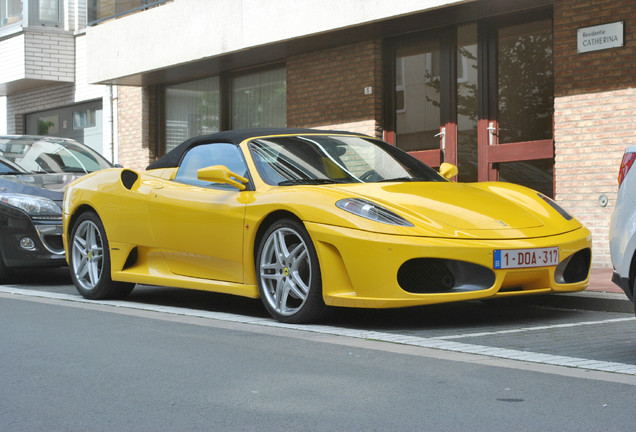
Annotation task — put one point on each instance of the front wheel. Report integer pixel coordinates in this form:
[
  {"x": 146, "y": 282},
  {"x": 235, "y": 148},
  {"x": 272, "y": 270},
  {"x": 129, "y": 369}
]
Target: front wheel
[
  {"x": 289, "y": 278},
  {"x": 90, "y": 260},
  {"x": 6, "y": 273}
]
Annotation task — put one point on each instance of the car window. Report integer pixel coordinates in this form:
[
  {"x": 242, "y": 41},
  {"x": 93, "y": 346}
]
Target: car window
[
  {"x": 205, "y": 155},
  {"x": 321, "y": 159},
  {"x": 47, "y": 155}
]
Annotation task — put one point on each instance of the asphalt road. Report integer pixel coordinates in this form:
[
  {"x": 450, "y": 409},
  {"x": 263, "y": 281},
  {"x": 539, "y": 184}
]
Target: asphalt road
[{"x": 170, "y": 359}]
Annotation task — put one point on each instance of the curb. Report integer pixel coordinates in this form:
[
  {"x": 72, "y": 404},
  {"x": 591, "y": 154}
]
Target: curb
[{"x": 589, "y": 300}]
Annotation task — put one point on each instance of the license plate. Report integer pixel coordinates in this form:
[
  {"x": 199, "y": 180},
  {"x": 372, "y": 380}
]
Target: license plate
[{"x": 523, "y": 258}]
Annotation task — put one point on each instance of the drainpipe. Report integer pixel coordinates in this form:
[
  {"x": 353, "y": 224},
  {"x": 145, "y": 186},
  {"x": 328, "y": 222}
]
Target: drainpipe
[
  {"x": 111, "y": 124},
  {"x": 114, "y": 126}
]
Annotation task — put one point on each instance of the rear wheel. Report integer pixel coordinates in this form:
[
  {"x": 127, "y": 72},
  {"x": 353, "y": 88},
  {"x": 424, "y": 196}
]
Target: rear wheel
[
  {"x": 289, "y": 277},
  {"x": 90, "y": 260}
]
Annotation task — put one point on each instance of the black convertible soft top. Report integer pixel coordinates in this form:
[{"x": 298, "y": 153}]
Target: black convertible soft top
[{"x": 174, "y": 156}]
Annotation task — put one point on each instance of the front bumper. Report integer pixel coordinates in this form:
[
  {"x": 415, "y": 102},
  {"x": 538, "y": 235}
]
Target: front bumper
[
  {"x": 25, "y": 243},
  {"x": 360, "y": 269}
]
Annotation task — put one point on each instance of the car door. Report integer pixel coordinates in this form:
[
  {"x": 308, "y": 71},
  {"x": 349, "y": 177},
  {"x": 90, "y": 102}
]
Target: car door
[{"x": 197, "y": 225}]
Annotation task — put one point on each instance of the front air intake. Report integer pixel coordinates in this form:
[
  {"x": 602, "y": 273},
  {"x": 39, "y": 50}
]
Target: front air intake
[
  {"x": 436, "y": 275},
  {"x": 574, "y": 268}
]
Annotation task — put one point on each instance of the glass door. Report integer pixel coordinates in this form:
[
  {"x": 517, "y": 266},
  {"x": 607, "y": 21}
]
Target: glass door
[
  {"x": 436, "y": 98},
  {"x": 418, "y": 85},
  {"x": 518, "y": 125},
  {"x": 465, "y": 151},
  {"x": 480, "y": 96}
]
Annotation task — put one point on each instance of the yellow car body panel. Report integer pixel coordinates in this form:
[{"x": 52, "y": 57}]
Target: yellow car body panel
[
  {"x": 205, "y": 238},
  {"x": 368, "y": 280}
]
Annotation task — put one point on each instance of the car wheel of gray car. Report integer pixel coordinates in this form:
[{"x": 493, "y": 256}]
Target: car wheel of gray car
[
  {"x": 90, "y": 260},
  {"x": 289, "y": 278}
]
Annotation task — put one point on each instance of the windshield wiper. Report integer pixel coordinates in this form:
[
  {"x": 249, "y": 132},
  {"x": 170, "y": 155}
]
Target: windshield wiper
[
  {"x": 401, "y": 179},
  {"x": 309, "y": 181},
  {"x": 74, "y": 170}
]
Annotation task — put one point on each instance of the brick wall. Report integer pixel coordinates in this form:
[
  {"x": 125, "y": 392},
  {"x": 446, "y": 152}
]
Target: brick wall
[
  {"x": 597, "y": 70},
  {"x": 326, "y": 88},
  {"x": 595, "y": 108},
  {"x": 136, "y": 127},
  {"x": 50, "y": 54}
]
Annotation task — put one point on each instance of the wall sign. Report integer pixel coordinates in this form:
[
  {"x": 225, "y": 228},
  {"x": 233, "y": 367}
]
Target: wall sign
[{"x": 600, "y": 37}]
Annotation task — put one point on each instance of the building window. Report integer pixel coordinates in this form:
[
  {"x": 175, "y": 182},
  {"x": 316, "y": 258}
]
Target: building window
[
  {"x": 192, "y": 108},
  {"x": 49, "y": 11},
  {"x": 259, "y": 99},
  {"x": 10, "y": 12},
  {"x": 243, "y": 100},
  {"x": 49, "y": 125},
  {"x": 81, "y": 122},
  {"x": 84, "y": 118},
  {"x": 41, "y": 12}
]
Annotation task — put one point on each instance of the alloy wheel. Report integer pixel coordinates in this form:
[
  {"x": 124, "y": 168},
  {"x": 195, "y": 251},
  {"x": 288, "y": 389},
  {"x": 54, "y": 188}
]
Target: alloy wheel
[
  {"x": 285, "y": 271},
  {"x": 87, "y": 255}
]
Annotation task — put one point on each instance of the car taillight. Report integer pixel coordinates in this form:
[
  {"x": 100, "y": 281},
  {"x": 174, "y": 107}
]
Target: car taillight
[{"x": 626, "y": 164}]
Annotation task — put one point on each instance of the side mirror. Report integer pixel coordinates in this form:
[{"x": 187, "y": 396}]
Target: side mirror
[
  {"x": 448, "y": 171},
  {"x": 221, "y": 174}
]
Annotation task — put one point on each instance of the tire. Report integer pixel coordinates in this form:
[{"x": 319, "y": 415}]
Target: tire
[
  {"x": 6, "y": 273},
  {"x": 289, "y": 279},
  {"x": 89, "y": 260}
]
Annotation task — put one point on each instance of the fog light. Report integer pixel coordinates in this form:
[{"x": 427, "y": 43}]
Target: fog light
[{"x": 27, "y": 243}]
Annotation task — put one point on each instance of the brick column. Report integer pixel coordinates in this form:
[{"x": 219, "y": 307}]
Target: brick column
[
  {"x": 326, "y": 89},
  {"x": 594, "y": 113},
  {"x": 136, "y": 126}
]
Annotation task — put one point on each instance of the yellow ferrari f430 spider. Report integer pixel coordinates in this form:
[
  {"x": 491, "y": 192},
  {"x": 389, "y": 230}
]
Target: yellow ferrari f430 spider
[{"x": 307, "y": 219}]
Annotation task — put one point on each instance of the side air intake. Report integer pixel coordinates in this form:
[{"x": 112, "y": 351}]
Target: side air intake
[
  {"x": 132, "y": 258},
  {"x": 128, "y": 178}
]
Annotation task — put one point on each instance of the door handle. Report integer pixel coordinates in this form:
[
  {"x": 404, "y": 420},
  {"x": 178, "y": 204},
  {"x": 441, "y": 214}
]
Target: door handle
[
  {"x": 492, "y": 132},
  {"x": 442, "y": 135}
]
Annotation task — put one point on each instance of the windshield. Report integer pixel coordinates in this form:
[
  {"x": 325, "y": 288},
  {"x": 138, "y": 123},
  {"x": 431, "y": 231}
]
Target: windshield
[
  {"x": 19, "y": 155},
  {"x": 321, "y": 159}
]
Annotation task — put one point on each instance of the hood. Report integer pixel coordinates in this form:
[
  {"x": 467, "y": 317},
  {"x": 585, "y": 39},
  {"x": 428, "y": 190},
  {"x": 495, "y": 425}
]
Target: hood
[
  {"x": 458, "y": 205},
  {"x": 485, "y": 210},
  {"x": 50, "y": 186}
]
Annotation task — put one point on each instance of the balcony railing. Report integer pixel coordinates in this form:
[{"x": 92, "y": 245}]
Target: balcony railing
[{"x": 102, "y": 10}]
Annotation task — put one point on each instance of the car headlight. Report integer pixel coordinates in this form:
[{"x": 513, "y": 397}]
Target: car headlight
[
  {"x": 36, "y": 207},
  {"x": 369, "y": 210},
  {"x": 555, "y": 206}
]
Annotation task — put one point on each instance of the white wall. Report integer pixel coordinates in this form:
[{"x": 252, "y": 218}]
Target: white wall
[
  {"x": 3, "y": 115},
  {"x": 184, "y": 31}
]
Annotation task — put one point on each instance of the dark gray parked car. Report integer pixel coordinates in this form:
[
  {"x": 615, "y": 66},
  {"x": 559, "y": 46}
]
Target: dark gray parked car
[{"x": 34, "y": 172}]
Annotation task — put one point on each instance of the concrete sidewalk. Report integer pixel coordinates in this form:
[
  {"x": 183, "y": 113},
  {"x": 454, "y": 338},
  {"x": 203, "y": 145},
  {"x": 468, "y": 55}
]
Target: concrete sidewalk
[{"x": 602, "y": 295}]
